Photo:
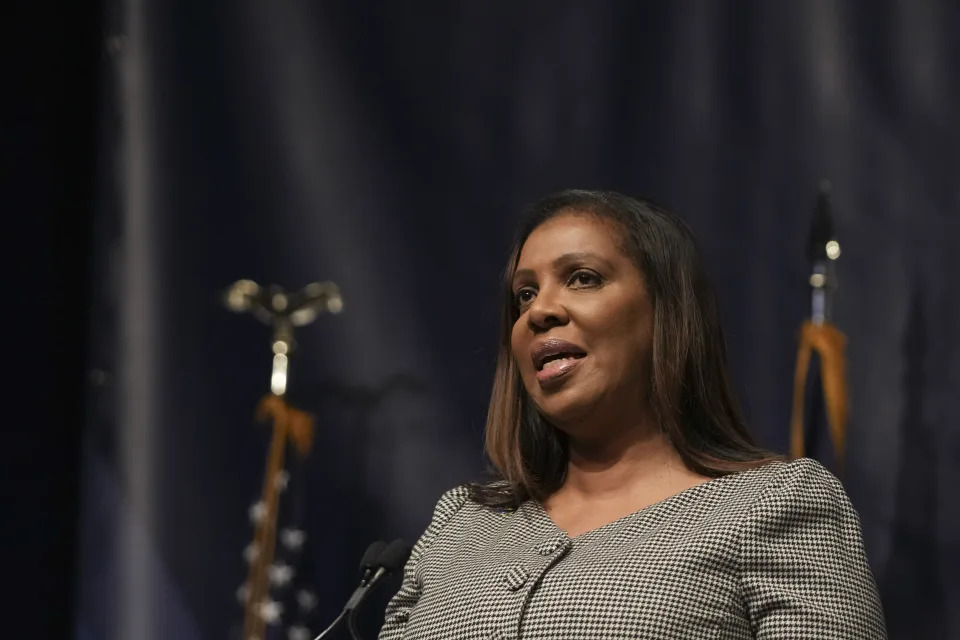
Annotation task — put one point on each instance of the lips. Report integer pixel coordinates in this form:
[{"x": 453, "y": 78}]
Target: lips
[{"x": 555, "y": 359}]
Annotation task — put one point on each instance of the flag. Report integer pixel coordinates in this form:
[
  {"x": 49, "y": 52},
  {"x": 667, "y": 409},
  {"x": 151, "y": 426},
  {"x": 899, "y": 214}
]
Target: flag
[
  {"x": 278, "y": 599},
  {"x": 820, "y": 394}
]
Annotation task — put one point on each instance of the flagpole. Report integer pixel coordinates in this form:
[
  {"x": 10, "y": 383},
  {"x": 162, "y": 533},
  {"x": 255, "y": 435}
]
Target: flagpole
[
  {"x": 819, "y": 335},
  {"x": 282, "y": 311}
]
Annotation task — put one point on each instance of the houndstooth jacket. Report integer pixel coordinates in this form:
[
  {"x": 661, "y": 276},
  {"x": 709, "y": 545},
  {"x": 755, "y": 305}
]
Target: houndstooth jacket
[{"x": 774, "y": 552}]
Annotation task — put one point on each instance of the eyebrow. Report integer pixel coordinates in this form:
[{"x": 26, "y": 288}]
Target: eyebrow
[{"x": 561, "y": 262}]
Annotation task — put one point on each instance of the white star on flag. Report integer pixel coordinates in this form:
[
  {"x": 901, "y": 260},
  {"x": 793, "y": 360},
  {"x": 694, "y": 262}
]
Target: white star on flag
[
  {"x": 298, "y": 633},
  {"x": 281, "y": 480},
  {"x": 293, "y": 539},
  {"x": 306, "y": 600},
  {"x": 280, "y": 574},
  {"x": 257, "y": 511},
  {"x": 270, "y": 611}
]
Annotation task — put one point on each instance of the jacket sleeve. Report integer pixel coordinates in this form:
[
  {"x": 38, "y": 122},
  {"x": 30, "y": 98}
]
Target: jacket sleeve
[
  {"x": 804, "y": 569},
  {"x": 400, "y": 606}
]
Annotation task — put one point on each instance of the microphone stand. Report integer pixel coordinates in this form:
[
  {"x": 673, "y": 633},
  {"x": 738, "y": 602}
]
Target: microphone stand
[
  {"x": 350, "y": 609},
  {"x": 392, "y": 558}
]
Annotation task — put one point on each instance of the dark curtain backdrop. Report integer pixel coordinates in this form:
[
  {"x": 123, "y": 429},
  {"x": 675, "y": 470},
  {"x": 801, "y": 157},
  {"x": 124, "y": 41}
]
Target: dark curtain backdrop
[
  {"x": 49, "y": 116},
  {"x": 389, "y": 147}
]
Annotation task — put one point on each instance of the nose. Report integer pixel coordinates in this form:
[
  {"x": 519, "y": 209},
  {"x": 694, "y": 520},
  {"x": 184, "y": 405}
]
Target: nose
[{"x": 546, "y": 311}]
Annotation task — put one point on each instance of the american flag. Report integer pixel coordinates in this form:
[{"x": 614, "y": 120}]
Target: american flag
[{"x": 277, "y": 597}]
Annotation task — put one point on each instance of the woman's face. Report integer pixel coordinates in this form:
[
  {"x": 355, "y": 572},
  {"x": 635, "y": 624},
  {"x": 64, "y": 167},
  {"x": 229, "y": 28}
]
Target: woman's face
[{"x": 583, "y": 338}]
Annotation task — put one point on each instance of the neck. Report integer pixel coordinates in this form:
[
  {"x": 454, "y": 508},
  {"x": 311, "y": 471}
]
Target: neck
[{"x": 618, "y": 465}]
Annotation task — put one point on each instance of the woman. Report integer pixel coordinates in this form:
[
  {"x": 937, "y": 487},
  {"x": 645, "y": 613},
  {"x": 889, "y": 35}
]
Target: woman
[{"x": 631, "y": 500}]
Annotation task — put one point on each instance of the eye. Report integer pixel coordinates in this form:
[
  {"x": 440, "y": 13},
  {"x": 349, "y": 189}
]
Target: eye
[
  {"x": 583, "y": 278},
  {"x": 523, "y": 297}
]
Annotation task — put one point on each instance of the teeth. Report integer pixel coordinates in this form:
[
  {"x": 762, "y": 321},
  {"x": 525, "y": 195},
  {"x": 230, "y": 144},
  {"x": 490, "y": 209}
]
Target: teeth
[{"x": 553, "y": 364}]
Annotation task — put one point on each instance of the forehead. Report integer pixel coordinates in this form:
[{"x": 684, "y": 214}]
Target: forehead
[{"x": 572, "y": 232}]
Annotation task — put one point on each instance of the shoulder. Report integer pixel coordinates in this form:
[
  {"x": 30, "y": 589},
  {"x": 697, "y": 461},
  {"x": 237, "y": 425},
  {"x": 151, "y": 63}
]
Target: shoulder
[
  {"x": 450, "y": 503},
  {"x": 803, "y": 476},
  {"x": 454, "y": 514},
  {"x": 458, "y": 505},
  {"x": 802, "y": 489},
  {"x": 778, "y": 490},
  {"x": 802, "y": 561},
  {"x": 802, "y": 479}
]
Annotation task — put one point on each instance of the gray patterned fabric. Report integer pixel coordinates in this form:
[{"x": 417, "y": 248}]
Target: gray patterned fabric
[{"x": 775, "y": 552}]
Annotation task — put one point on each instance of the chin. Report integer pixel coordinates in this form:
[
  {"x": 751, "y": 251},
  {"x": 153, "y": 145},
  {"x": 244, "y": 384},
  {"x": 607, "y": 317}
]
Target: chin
[{"x": 564, "y": 410}]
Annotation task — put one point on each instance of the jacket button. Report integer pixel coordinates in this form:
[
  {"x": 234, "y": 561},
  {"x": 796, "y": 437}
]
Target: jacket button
[
  {"x": 550, "y": 545},
  {"x": 515, "y": 577}
]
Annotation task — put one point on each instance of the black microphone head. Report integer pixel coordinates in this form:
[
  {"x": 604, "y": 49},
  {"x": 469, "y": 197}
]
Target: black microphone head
[
  {"x": 394, "y": 556},
  {"x": 372, "y": 555}
]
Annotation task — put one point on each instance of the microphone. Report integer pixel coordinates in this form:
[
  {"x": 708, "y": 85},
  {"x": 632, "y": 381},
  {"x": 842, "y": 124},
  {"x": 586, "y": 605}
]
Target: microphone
[
  {"x": 368, "y": 565},
  {"x": 389, "y": 558}
]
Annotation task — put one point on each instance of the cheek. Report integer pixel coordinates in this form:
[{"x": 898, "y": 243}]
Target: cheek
[
  {"x": 638, "y": 351},
  {"x": 627, "y": 343},
  {"x": 517, "y": 344}
]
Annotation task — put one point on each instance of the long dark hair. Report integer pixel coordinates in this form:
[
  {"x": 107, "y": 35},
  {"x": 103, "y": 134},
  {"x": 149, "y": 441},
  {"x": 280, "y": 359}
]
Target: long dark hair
[{"x": 691, "y": 392}]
